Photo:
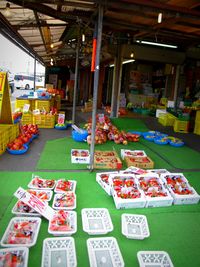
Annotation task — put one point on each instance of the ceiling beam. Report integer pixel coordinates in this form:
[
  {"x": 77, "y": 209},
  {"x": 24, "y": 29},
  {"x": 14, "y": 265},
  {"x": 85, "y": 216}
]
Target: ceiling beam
[
  {"x": 35, "y": 25},
  {"x": 40, "y": 30}
]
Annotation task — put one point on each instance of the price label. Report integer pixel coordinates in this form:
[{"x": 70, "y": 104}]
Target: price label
[
  {"x": 61, "y": 118},
  {"x": 26, "y": 108},
  {"x": 35, "y": 203}
]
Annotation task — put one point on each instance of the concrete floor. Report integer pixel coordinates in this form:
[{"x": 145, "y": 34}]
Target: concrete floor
[{"x": 28, "y": 161}]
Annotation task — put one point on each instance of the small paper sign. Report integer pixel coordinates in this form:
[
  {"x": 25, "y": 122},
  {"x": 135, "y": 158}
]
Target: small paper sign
[
  {"x": 26, "y": 108},
  {"x": 61, "y": 118},
  {"x": 36, "y": 112},
  {"x": 35, "y": 203},
  {"x": 101, "y": 118}
]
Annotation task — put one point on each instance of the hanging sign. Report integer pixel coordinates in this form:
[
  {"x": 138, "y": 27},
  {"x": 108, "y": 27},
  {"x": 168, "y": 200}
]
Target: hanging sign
[{"x": 35, "y": 203}]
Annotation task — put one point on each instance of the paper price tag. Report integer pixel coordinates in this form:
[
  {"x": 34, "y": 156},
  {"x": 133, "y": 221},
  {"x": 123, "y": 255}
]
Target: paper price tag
[
  {"x": 35, "y": 203},
  {"x": 26, "y": 108},
  {"x": 61, "y": 118}
]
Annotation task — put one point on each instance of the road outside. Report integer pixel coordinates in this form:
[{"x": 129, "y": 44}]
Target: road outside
[{"x": 17, "y": 93}]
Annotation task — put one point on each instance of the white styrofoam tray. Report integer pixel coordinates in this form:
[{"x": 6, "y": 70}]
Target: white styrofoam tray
[
  {"x": 179, "y": 199},
  {"x": 104, "y": 252},
  {"x": 10, "y": 229},
  {"x": 134, "y": 226},
  {"x": 132, "y": 153},
  {"x": 21, "y": 252},
  {"x": 17, "y": 212},
  {"x": 58, "y": 199},
  {"x": 105, "y": 185},
  {"x": 71, "y": 221},
  {"x": 78, "y": 158},
  {"x": 38, "y": 193},
  {"x": 62, "y": 181},
  {"x": 96, "y": 221},
  {"x": 59, "y": 252},
  {"x": 43, "y": 186},
  {"x": 154, "y": 259}
]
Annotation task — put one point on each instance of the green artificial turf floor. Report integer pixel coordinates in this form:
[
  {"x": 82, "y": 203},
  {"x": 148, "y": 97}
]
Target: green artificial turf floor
[{"x": 173, "y": 229}]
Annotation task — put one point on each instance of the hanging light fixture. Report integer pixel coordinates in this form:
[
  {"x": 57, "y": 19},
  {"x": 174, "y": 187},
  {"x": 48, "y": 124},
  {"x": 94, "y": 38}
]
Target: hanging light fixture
[
  {"x": 83, "y": 37},
  {"x": 132, "y": 55},
  {"x": 159, "y": 17},
  {"x": 52, "y": 45}
]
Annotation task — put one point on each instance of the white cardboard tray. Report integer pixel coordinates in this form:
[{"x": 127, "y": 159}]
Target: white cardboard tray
[
  {"x": 56, "y": 201},
  {"x": 132, "y": 153},
  {"x": 23, "y": 252},
  {"x": 10, "y": 228},
  {"x": 73, "y": 187},
  {"x": 96, "y": 221},
  {"x": 104, "y": 252},
  {"x": 79, "y": 159},
  {"x": 154, "y": 259},
  {"x": 32, "y": 186},
  {"x": 72, "y": 217},
  {"x": 106, "y": 186},
  {"x": 59, "y": 252},
  {"x": 134, "y": 226}
]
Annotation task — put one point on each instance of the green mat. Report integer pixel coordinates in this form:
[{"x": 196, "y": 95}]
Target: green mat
[
  {"x": 173, "y": 229},
  {"x": 128, "y": 124}
]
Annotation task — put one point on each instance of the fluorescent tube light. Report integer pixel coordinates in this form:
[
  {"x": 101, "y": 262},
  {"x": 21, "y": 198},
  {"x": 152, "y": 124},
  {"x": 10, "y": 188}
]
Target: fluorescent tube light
[
  {"x": 157, "y": 44},
  {"x": 159, "y": 17},
  {"x": 124, "y": 62}
]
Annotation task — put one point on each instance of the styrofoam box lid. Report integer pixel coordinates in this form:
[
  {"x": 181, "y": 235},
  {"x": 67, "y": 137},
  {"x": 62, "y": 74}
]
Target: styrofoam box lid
[
  {"x": 73, "y": 186},
  {"x": 56, "y": 196},
  {"x": 96, "y": 221},
  {"x": 154, "y": 258},
  {"x": 134, "y": 226},
  {"x": 48, "y": 192},
  {"x": 17, "y": 213},
  {"x": 73, "y": 221},
  {"x": 59, "y": 252},
  {"x": 22, "y": 251},
  {"x": 18, "y": 220},
  {"x": 104, "y": 252}
]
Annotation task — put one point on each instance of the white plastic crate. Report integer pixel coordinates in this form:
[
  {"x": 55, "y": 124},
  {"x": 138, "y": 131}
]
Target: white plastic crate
[
  {"x": 125, "y": 192},
  {"x": 102, "y": 179},
  {"x": 178, "y": 191},
  {"x": 38, "y": 182},
  {"x": 64, "y": 201},
  {"x": 155, "y": 192},
  {"x": 96, "y": 221},
  {"x": 81, "y": 156},
  {"x": 134, "y": 226},
  {"x": 63, "y": 223},
  {"x": 104, "y": 252},
  {"x": 24, "y": 210},
  {"x": 44, "y": 195},
  {"x": 11, "y": 231},
  {"x": 132, "y": 153},
  {"x": 7, "y": 253},
  {"x": 63, "y": 185},
  {"x": 59, "y": 252},
  {"x": 154, "y": 259}
]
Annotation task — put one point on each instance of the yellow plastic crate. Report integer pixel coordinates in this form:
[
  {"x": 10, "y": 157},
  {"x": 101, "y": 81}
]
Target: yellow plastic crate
[
  {"x": 4, "y": 138},
  {"x": 44, "y": 121},
  {"x": 27, "y": 118},
  {"x": 19, "y": 103},
  {"x": 197, "y": 118},
  {"x": 14, "y": 131},
  {"x": 197, "y": 128},
  {"x": 166, "y": 119},
  {"x": 181, "y": 126},
  {"x": 42, "y": 105}
]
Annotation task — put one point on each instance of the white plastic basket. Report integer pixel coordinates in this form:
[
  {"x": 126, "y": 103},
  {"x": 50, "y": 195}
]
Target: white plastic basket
[
  {"x": 104, "y": 252},
  {"x": 21, "y": 252},
  {"x": 70, "y": 222},
  {"x": 43, "y": 185},
  {"x": 38, "y": 193},
  {"x": 17, "y": 212},
  {"x": 72, "y": 186},
  {"x": 9, "y": 233},
  {"x": 134, "y": 226},
  {"x": 96, "y": 221},
  {"x": 59, "y": 251},
  {"x": 154, "y": 258},
  {"x": 61, "y": 199}
]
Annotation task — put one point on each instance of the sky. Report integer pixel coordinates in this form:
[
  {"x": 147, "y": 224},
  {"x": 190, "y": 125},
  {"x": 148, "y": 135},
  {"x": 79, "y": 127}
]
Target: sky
[{"x": 15, "y": 60}]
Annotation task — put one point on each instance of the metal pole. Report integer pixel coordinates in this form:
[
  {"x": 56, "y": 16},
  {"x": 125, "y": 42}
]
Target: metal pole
[
  {"x": 176, "y": 86},
  {"x": 34, "y": 73},
  {"x": 96, "y": 82},
  {"x": 76, "y": 79}
]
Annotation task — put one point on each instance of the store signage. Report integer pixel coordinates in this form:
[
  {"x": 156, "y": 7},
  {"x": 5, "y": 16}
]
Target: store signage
[{"x": 35, "y": 203}]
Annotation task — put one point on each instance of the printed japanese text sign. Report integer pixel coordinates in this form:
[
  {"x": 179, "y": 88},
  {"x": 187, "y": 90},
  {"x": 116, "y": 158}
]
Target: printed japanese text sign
[{"x": 34, "y": 202}]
